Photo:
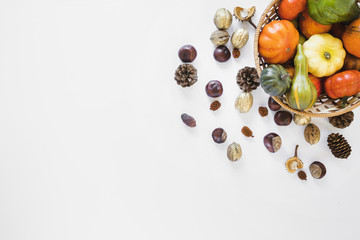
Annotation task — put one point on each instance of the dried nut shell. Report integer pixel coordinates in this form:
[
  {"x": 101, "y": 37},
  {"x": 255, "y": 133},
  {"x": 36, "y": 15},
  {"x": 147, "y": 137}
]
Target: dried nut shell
[
  {"x": 219, "y": 37},
  {"x": 272, "y": 142},
  {"x": 223, "y": 19},
  {"x": 234, "y": 152},
  {"x": 240, "y": 38},
  {"x": 312, "y": 134},
  {"x": 317, "y": 170},
  {"x": 301, "y": 120},
  {"x": 244, "y": 102},
  {"x": 244, "y": 14},
  {"x": 294, "y": 163}
]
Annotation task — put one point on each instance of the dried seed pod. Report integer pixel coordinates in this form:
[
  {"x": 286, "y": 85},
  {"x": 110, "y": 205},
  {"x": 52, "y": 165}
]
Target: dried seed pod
[
  {"x": 215, "y": 105},
  {"x": 247, "y": 132},
  {"x": 244, "y": 102},
  {"x": 301, "y": 120},
  {"x": 245, "y": 14},
  {"x": 240, "y": 38},
  {"x": 312, "y": 134},
  {"x": 263, "y": 111},
  {"x": 294, "y": 163},
  {"x": 236, "y": 53},
  {"x": 223, "y": 19},
  {"x": 234, "y": 152},
  {"x": 272, "y": 142},
  {"x": 302, "y": 175},
  {"x": 317, "y": 170},
  {"x": 219, "y": 37},
  {"x": 188, "y": 120}
]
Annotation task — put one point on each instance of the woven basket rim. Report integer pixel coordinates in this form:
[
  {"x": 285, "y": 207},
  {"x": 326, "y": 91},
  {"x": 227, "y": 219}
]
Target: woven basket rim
[{"x": 258, "y": 68}]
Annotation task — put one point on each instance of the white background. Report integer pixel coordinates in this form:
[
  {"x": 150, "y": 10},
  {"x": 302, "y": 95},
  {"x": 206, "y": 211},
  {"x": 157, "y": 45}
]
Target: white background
[{"x": 92, "y": 145}]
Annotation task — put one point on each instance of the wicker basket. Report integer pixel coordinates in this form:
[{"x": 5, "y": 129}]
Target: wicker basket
[{"x": 325, "y": 106}]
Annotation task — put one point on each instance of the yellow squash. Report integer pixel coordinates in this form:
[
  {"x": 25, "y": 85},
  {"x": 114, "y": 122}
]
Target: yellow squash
[{"x": 325, "y": 54}]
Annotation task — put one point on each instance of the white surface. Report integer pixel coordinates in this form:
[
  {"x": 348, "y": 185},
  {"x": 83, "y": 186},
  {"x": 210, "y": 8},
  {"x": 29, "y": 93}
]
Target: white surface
[{"x": 92, "y": 145}]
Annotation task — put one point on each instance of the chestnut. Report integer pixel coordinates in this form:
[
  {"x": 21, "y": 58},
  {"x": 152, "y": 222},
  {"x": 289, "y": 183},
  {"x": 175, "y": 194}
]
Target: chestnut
[
  {"x": 272, "y": 142},
  {"x": 273, "y": 105},
  {"x": 283, "y": 118},
  {"x": 219, "y": 135}
]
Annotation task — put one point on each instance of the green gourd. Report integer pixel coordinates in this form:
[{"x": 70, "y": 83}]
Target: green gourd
[
  {"x": 275, "y": 80},
  {"x": 302, "y": 93}
]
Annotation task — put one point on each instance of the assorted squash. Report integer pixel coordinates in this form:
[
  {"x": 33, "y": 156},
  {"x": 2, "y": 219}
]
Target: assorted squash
[
  {"x": 277, "y": 41},
  {"x": 325, "y": 54},
  {"x": 324, "y": 37},
  {"x": 302, "y": 93}
]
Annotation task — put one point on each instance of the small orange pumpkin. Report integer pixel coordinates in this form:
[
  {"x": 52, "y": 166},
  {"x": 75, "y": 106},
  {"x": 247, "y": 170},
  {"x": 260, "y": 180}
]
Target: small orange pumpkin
[
  {"x": 278, "y": 41},
  {"x": 351, "y": 38},
  {"x": 309, "y": 27},
  {"x": 289, "y": 9}
]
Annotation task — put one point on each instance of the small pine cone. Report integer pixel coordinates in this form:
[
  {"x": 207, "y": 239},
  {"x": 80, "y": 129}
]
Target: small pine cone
[
  {"x": 248, "y": 79},
  {"x": 186, "y": 75},
  {"x": 339, "y": 146},
  {"x": 342, "y": 121}
]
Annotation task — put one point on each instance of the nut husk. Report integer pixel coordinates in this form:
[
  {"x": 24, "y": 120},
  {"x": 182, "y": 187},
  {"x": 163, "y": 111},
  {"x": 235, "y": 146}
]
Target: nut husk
[
  {"x": 312, "y": 134},
  {"x": 301, "y": 120},
  {"x": 223, "y": 19},
  {"x": 219, "y": 37},
  {"x": 294, "y": 163},
  {"x": 234, "y": 152},
  {"x": 244, "y": 102},
  {"x": 245, "y": 14},
  {"x": 240, "y": 38}
]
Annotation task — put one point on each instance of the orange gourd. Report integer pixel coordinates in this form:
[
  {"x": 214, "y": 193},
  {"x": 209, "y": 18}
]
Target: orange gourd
[
  {"x": 278, "y": 41},
  {"x": 309, "y": 27},
  {"x": 289, "y": 9},
  {"x": 351, "y": 38},
  {"x": 343, "y": 84}
]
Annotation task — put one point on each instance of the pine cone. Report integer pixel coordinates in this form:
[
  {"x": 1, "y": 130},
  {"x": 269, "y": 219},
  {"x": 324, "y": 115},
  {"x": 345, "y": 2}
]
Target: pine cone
[
  {"x": 248, "y": 79},
  {"x": 342, "y": 121},
  {"x": 186, "y": 75},
  {"x": 339, "y": 146}
]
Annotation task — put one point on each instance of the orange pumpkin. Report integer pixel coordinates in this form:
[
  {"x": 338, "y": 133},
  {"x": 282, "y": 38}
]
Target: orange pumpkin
[
  {"x": 309, "y": 27},
  {"x": 351, "y": 38},
  {"x": 289, "y": 9},
  {"x": 278, "y": 41}
]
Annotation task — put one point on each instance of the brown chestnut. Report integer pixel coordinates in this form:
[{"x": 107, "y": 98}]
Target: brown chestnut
[
  {"x": 317, "y": 170},
  {"x": 283, "y": 118},
  {"x": 272, "y": 142},
  {"x": 273, "y": 105},
  {"x": 219, "y": 135}
]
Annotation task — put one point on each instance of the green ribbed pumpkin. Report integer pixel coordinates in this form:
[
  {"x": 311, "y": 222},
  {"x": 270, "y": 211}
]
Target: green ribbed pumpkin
[
  {"x": 302, "y": 94},
  {"x": 275, "y": 80}
]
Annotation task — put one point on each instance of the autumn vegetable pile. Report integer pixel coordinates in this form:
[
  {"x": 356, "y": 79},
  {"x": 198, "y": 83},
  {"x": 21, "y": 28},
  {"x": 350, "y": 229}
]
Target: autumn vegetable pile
[{"x": 312, "y": 50}]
